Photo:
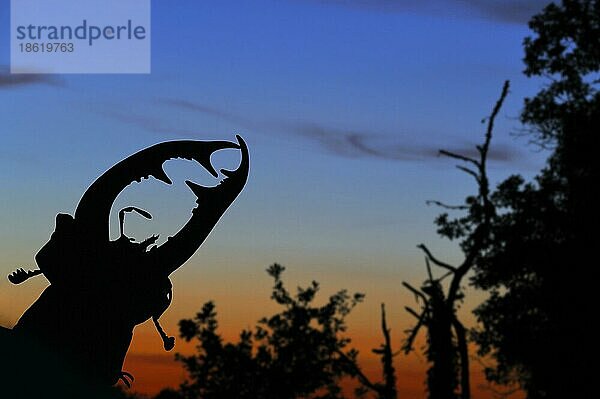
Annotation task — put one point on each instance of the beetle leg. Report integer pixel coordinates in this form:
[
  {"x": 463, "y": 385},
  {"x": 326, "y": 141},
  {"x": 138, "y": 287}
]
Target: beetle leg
[
  {"x": 20, "y": 275},
  {"x": 125, "y": 376}
]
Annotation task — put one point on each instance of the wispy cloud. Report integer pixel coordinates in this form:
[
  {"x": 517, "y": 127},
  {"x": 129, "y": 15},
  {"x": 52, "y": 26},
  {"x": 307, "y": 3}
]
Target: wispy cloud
[
  {"x": 498, "y": 152},
  {"x": 8, "y": 80},
  {"x": 207, "y": 110},
  {"x": 512, "y": 11},
  {"x": 359, "y": 144},
  {"x": 148, "y": 123},
  {"x": 516, "y": 11},
  {"x": 347, "y": 143}
]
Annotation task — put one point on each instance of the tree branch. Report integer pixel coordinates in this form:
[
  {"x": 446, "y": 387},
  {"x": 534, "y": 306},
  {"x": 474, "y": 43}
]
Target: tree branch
[
  {"x": 389, "y": 374},
  {"x": 491, "y": 120},
  {"x": 407, "y": 347},
  {"x": 358, "y": 372},
  {"x": 445, "y": 206},
  {"x": 460, "y": 157},
  {"x": 445, "y": 275},
  {"x": 488, "y": 208},
  {"x": 428, "y": 266},
  {"x": 415, "y": 291},
  {"x": 437, "y": 262},
  {"x": 413, "y": 312},
  {"x": 469, "y": 171}
]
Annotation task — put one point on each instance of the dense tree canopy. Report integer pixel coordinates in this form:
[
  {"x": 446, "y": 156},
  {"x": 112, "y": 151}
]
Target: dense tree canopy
[
  {"x": 299, "y": 352},
  {"x": 566, "y": 51},
  {"x": 537, "y": 266}
]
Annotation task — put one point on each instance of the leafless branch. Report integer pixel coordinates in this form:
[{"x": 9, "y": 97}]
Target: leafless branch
[
  {"x": 480, "y": 232},
  {"x": 359, "y": 373},
  {"x": 413, "y": 312},
  {"x": 389, "y": 388},
  {"x": 428, "y": 269},
  {"x": 415, "y": 291},
  {"x": 460, "y": 157},
  {"x": 490, "y": 127},
  {"x": 471, "y": 172},
  {"x": 408, "y": 344},
  {"x": 445, "y": 206},
  {"x": 445, "y": 275},
  {"x": 437, "y": 262}
]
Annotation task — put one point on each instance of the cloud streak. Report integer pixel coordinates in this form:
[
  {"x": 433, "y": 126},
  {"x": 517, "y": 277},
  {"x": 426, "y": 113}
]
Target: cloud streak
[
  {"x": 148, "y": 123},
  {"x": 8, "y": 80},
  {"x": 357, "y": 144},
  {"x": 511, "y": 11},
  {"x": 354, "y": 144},
  {"x": 515, "y": 11},
  {"x": 206, "y": 110},
  {"x": 339, "y": 142}
]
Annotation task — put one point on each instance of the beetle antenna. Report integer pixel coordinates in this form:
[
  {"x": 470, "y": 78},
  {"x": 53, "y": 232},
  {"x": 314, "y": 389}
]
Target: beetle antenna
[
  {"x": 168, "y": 342},
  {"x": 128, "y": 209}
]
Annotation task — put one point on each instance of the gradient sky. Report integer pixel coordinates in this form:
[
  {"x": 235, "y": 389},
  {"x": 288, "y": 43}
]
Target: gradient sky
[{"x": 343, "y": 104}]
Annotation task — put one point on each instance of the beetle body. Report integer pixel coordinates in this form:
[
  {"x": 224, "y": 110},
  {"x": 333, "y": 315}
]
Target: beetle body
[{"x": 100, "y": 289}]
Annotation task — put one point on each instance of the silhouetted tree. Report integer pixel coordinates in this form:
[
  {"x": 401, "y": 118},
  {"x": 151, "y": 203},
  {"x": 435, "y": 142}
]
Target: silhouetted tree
[
  {"x": 446, "y": 347},
  {"x": 299, "y": 352},
  {"x": 385, "y": 389},
  {"x": 388, "y": 390},
  {"x": 537, "y": 266}
]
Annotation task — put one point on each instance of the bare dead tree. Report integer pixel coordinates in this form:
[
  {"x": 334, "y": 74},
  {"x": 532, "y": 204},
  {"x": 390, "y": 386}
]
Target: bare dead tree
[
  {"x": 447, "y": 349},
  {"x": 387, "y": 388}
]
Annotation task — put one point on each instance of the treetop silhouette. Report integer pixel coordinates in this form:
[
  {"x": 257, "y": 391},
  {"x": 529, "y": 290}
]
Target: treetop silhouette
[
  {"x": 446, "y": 346},
  {"x": 298, "y": 352},
  {"x": 537, "y": 267}
]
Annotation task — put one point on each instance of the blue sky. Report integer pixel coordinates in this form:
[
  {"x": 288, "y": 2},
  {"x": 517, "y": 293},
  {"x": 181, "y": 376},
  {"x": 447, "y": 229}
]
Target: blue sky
[{"x": 343, "y": 105}]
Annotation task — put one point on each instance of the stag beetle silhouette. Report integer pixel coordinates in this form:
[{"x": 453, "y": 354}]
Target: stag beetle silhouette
[{"x": 101, "y": 289}]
